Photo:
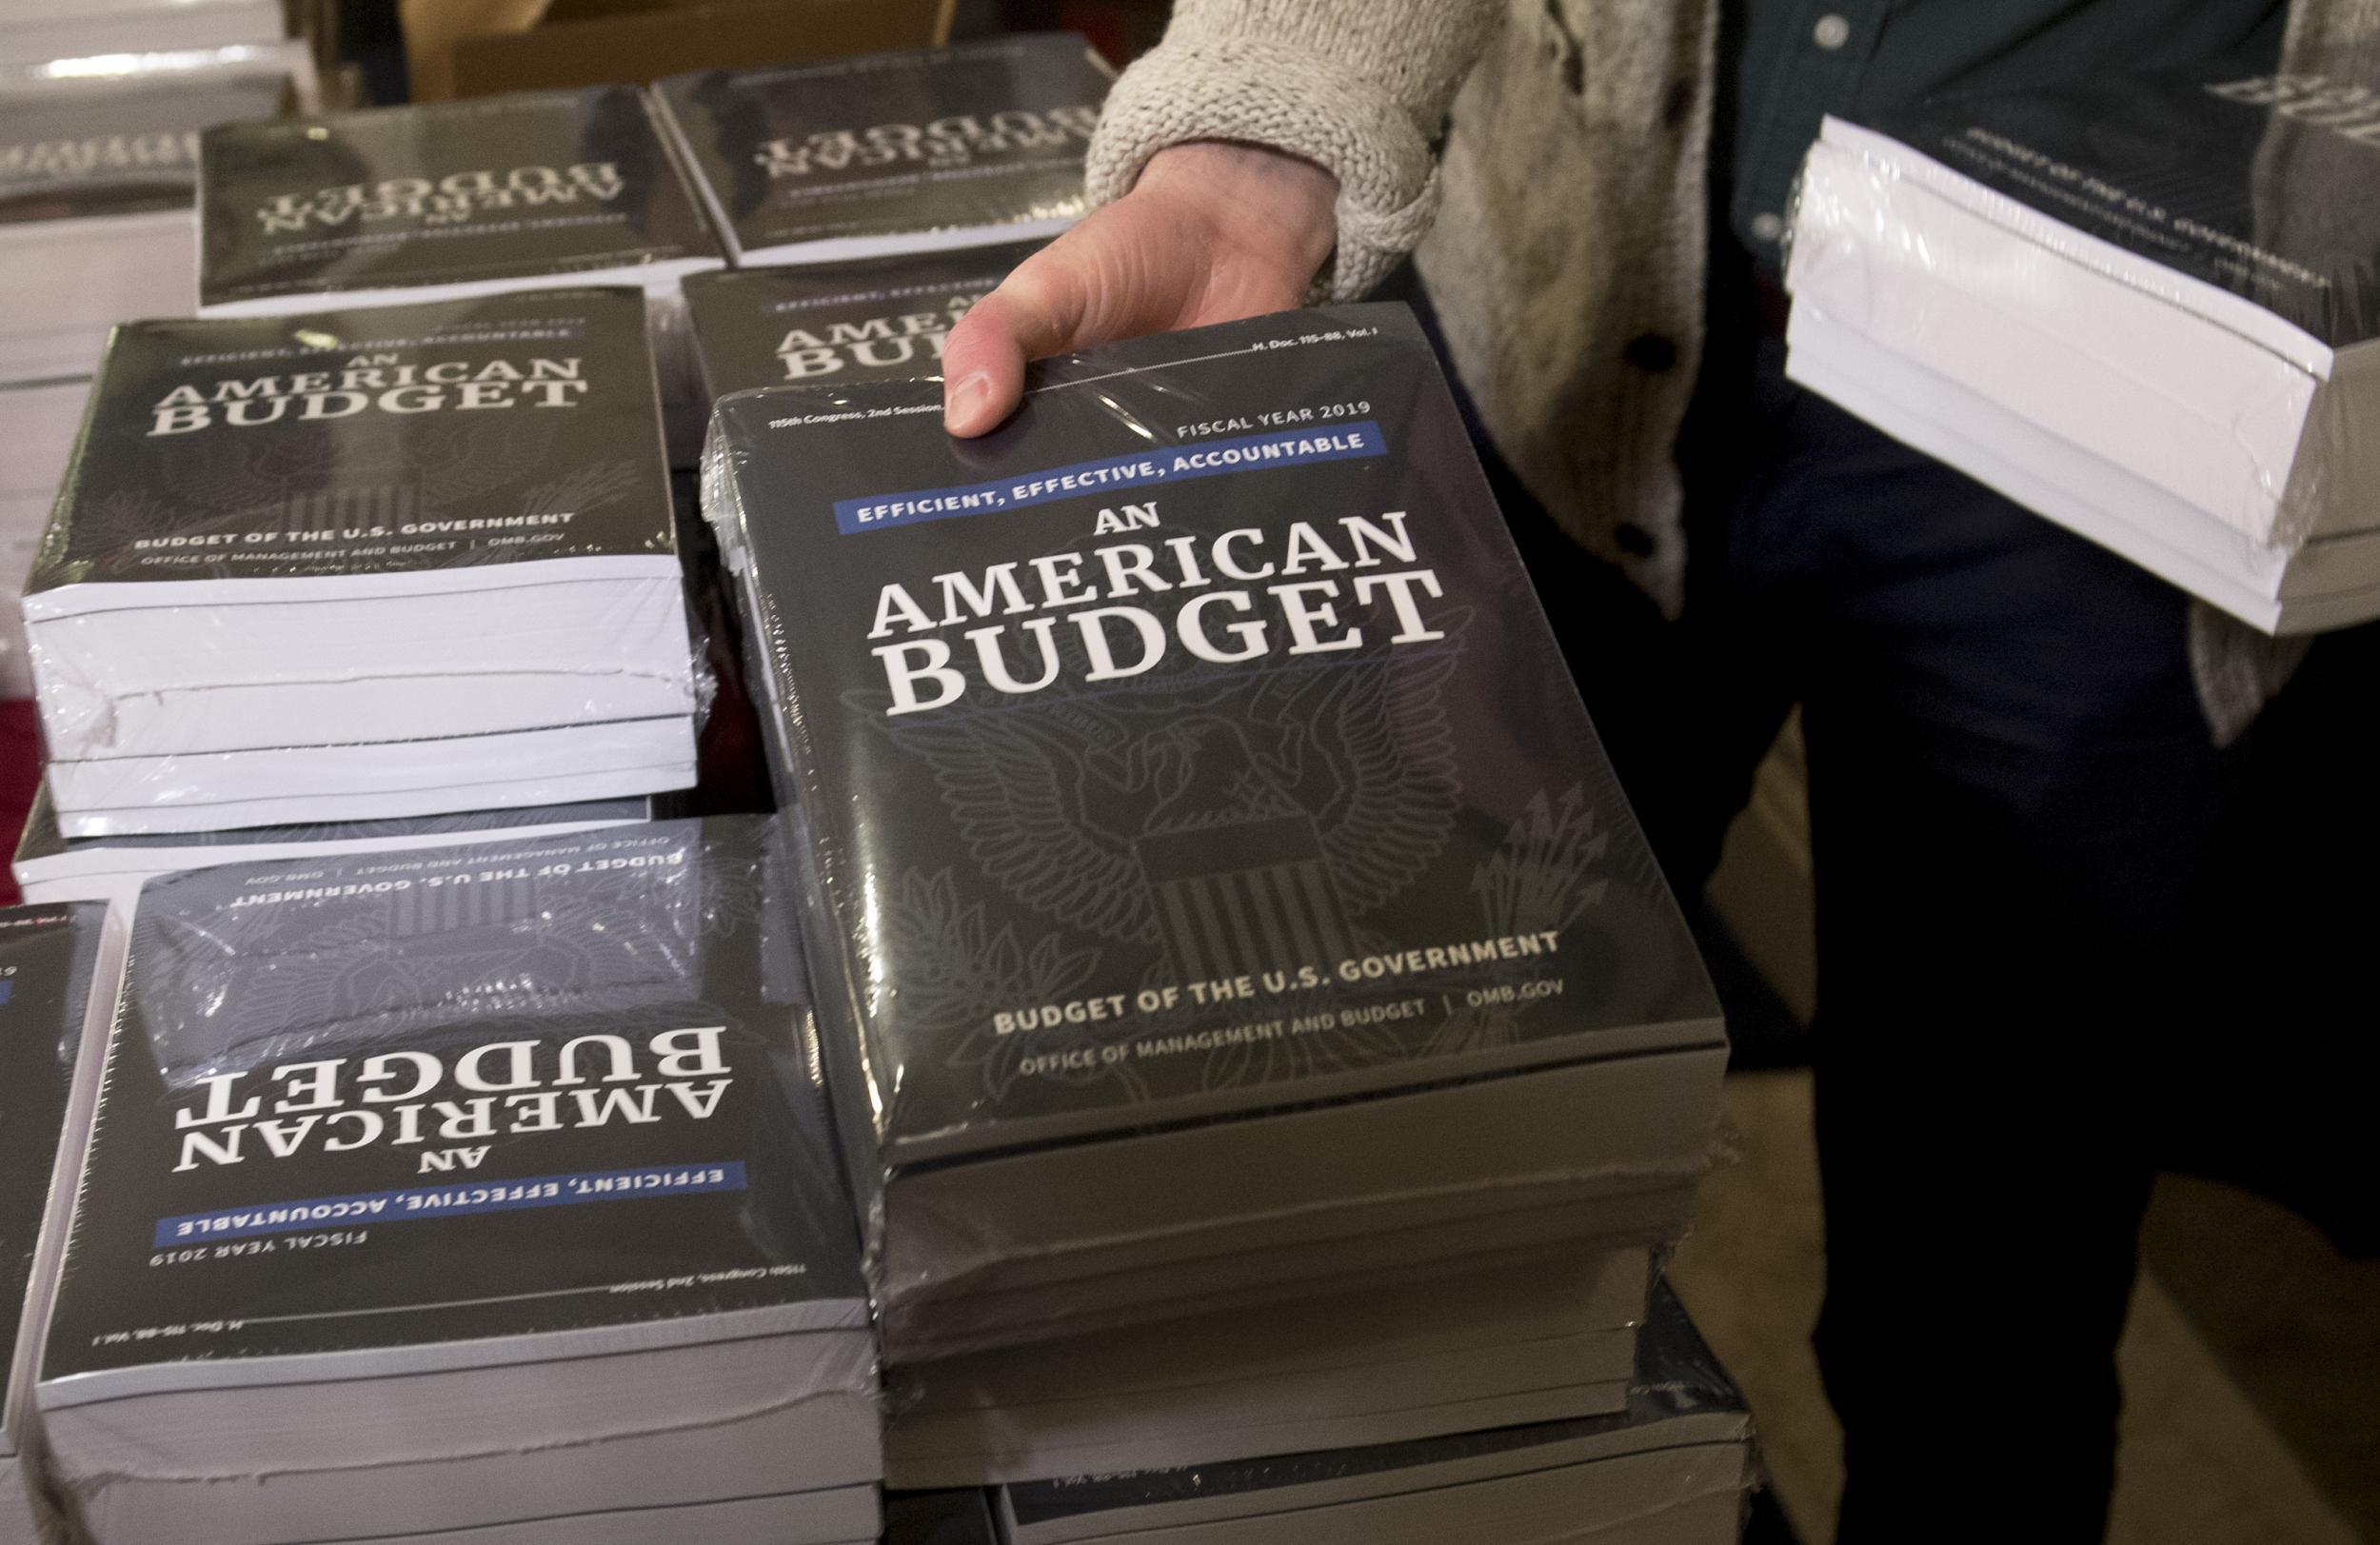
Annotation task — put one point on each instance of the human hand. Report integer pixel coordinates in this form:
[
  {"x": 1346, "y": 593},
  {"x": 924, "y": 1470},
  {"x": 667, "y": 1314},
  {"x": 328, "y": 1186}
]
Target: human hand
[{"x": 1211, "y": 232}]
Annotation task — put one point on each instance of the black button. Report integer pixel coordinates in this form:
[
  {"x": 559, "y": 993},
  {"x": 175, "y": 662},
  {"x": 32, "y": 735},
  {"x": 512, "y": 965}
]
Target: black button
[
  {"x": 1651, "y": 352},
  {"x": 1635, "y": 540}
]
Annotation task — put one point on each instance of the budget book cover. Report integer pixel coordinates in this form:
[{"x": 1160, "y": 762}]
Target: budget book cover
[
  {"x": 381, "y": 1103},
  {"x": 1195, "y": 743},
  {"x": 450, "y": 434},
  {"x": 494, "y": 192},
  {"x": 880, "y": 319},
  {"x": 935, "y": 147}
]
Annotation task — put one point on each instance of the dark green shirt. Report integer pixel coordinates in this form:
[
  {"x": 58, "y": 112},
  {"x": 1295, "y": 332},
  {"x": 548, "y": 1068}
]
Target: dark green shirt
[{"x": 1799, "y": 59}]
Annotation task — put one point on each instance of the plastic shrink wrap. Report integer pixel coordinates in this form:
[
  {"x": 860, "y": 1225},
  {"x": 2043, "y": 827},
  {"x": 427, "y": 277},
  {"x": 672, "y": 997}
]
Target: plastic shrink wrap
[
  {"x": 2147, "y": 308},
  {"x": 481, "y": 1186},
  {"x": 1219, "y": 891}
]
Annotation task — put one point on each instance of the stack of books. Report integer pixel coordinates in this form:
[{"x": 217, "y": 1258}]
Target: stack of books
[
  {"x": 59, "y": 970},
  {"x": 477, "y": 1194},
  {"x": 2145, "y": 308},
  {"x": 535, "y": 189},
  {"x": 1219, "y": 894},
  {"x": 880, "y": 319},
  {"x": 1672, "y": 1469},
  {"x": 898, "y": 152},
  {"x": 1206, "y": 1020},
  {"x": 356, "y": 565},
  {"x": 51, "y": 866},
  {"x": 97, "y": 227}
]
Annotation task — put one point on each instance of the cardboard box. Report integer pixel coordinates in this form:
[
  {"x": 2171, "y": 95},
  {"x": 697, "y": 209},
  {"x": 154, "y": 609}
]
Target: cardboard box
[{"x": 477, "y": 47}]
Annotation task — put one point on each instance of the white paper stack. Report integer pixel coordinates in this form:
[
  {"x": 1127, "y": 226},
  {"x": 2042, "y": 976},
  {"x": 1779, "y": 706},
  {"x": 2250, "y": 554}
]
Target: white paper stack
[
  {"x": 365, "y": 564},
  {"x": 60, "y": 967},
  {"x": 2148, "y": 309},
  {"x": 558, "y": 1254},
  {"x": 914, "y": 152},
  {"x": 36, "y": 31}
]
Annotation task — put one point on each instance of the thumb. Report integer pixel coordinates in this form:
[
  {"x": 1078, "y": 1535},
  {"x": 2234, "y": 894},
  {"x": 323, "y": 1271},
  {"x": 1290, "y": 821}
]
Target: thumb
[
  {"x": 1037, "y": 310},
  {"x": 1209, "y": 233}
]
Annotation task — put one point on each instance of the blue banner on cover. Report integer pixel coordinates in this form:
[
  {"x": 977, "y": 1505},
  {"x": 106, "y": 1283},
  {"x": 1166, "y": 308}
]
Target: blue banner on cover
[
  {"x": 457, "y": 1201},
  {"x": 1114, "y": 474}
]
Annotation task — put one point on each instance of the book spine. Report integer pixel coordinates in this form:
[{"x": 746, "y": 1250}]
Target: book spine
[
  {"x": 49, "y": 558},
  {"x": 784, "y": 730},
  {"x": 69, "y": 1177},
  {"x": 678, "y": 152},
  {"x": 680, "y": 145}
]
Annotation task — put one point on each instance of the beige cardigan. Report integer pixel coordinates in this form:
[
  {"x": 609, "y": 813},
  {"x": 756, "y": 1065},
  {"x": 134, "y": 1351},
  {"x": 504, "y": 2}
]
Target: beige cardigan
[{"x": 1607, "y": 101}]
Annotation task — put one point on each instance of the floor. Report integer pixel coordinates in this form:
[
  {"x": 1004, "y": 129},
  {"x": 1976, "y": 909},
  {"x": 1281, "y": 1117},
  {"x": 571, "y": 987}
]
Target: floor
[{"x": 2251, "y": 1361}]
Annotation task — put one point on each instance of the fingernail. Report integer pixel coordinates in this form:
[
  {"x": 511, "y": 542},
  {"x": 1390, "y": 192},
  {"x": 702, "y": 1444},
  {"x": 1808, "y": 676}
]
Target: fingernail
[{"x": 966, "y": 401}]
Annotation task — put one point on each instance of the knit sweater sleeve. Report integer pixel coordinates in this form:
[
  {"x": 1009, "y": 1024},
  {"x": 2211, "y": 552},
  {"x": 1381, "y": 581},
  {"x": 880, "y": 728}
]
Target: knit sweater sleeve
[{"x": 1360, "y": 87}]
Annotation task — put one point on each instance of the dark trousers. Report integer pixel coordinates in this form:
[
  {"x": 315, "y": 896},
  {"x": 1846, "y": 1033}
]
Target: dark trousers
[
  {"x": 2013, "y": 793},
  {"x": 2018, "y": 814}
]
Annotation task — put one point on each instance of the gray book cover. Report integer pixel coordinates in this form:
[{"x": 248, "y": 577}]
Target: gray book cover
[
  {"x": 391, "y": 1101},
  {"x": 67, "y": 152},
  {"x": 440, "y": 193},
  {"x": 1193, "y": 744},
  {"x": 1678, "y": 1381},
  {"x": 874, "y": 319},
  {"x": 47, "y": 958},
  {"x": 987, "y": 134},
  {"x": 504, "y": 430}
]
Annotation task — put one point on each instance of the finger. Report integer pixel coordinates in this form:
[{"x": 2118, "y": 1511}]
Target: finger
[
  {"x": 1211, "y": 232},
  {"x": 1035, "y": 311},
  {"x": 1132, "y": 268}
]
